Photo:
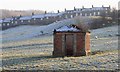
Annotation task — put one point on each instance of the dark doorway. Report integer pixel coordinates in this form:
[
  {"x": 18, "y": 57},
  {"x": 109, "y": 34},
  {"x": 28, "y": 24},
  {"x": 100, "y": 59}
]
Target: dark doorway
[{"x": 69, "y": 39}]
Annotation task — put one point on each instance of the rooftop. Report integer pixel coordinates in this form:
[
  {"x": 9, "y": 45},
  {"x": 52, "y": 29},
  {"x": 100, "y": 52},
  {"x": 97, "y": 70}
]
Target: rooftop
[
  {"x": 38, "y": 16},
  {"x": 7, "y": 19},
  {"x": 51, "y": 14},
  {"x": 68, "y": 28},
  {"x": 25, "y": 18}
]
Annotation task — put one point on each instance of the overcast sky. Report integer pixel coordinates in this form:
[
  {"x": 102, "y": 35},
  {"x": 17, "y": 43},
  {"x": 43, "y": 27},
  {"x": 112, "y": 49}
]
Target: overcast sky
[{"x": 54, "y": 5}]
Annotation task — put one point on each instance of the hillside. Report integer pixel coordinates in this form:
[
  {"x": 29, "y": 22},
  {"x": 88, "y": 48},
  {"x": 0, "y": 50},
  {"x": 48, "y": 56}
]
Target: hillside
[
  {"x": 35, "y": 52},
  {"x": 29, "y": 31},
  {"x": 29, "y": 47},
  {"x": 9, "y": 13}
]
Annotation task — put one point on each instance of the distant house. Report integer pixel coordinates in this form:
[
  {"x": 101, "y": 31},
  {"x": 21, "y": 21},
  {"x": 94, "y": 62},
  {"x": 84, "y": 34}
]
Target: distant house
[
  {"x": 1, "y": 21},
  {"x": 71, "y": 41},
  {"x": 38, "y": 16},
  {"x": 43, "y": 19},
  {"x": 94, "y": 11},
  {"x": 47, "y": 18},
  {"x": 61, "y": 15},
  {"x": 7, "y": 22},
  {"x": 25, "y": 19}
]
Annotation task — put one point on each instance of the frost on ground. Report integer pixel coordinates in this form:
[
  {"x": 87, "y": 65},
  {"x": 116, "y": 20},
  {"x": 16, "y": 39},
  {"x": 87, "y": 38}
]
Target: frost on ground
[
  {"x": 106, "y": 61},
  {"x": 36, "y": 52},
  {"x": 28, "y": 31}
]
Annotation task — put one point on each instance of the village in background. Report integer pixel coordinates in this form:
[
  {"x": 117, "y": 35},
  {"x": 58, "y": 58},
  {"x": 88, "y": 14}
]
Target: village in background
[
  {"x": 31, "y": 39},
  {"x": 102, "y": 15}
]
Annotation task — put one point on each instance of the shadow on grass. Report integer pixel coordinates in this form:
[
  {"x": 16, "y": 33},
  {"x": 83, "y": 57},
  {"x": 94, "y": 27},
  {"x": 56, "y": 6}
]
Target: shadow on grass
[
  {"x": 19, "y": 46},
  {"x": 16, "y": 61},
  {"x": 97, "y": 52}
]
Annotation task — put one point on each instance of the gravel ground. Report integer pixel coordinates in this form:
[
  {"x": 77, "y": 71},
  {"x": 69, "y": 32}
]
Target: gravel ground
[{"x": 36, "y": 53}]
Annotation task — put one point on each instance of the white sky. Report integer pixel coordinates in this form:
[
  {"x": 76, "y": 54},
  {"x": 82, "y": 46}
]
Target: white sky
[{"x": 53, "y": 5}]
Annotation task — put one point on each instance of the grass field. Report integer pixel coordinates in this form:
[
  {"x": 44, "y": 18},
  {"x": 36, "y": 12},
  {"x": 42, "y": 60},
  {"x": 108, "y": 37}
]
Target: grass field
[{"x": 36, "y": 53}]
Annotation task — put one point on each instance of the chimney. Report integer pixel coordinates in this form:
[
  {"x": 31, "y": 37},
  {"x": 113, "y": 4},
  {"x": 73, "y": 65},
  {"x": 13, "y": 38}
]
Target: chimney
[
  {"x": 32, "y": 13},
  {"x": 65, "y": 9},
  {"x": 83, "y": 7},
  {"x": 92, "y": 6},
  {"x": 74, "y": 8},
  {"x": 20, "y": 16},
  {"x": 102, "y": 6},
  {"x": 45, "y": 12},
  {"x": 13, "y": 17},
  {"x": 58, "y": 11},
  {"x": 109, "y": 6}
]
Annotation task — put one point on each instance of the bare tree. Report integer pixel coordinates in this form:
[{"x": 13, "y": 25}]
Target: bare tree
[{"x": 114, "y": 14}]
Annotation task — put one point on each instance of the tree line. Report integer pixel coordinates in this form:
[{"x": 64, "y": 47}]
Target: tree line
[{"x": 4, "y": 13}]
